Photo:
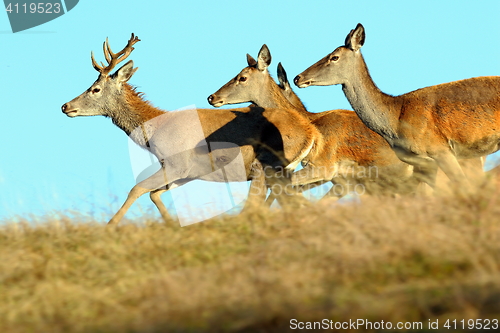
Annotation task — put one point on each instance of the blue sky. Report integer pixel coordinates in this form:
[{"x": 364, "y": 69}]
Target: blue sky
[{"x": 188, "y": 49}]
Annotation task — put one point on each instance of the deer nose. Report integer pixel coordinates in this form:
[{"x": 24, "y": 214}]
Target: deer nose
[
  {"x": 296, "y": 80},
  {"x": 64, "y": 107},
  {"x": 210, "y": 98}
]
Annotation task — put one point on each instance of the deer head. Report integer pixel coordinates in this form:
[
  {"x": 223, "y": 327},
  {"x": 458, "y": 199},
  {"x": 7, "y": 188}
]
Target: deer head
[
  {"x": 251, "y": 79},
  {"x": 105, "y": 94},
  {"x": 338, "y": 66}
]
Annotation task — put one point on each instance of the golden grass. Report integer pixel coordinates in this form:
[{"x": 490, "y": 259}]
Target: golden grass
[{"x": 406, "y": 259}]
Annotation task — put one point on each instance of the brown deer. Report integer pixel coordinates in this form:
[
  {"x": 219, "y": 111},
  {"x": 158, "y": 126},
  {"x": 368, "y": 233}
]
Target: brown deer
[
  {"x": 272, "y": 141},
  {"x": 473, "y": 168},
  {"x": 429, "y": 128},
  {"x": 352, "y": 154}
]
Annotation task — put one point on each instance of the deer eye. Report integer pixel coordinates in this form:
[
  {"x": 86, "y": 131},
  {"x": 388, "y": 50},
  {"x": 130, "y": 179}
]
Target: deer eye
[
  {"x": 242, "y": 79},
  {"x": 96, "y": 90},
  {"x": 334, "y": 58}
]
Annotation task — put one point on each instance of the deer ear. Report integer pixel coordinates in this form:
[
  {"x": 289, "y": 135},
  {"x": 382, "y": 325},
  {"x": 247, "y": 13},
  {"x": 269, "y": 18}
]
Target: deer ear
[
  {"x": 282, "y": 77},
  {"x": 356, "y": 38},
  {"x": 125, "y": 72},
  {"x": 251, "y": 61},
  {"x": 264, "y": 58}
]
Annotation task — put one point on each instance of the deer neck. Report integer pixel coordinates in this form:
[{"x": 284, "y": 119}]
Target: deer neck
[
  {"x": 132, "y": 115},
  {"x": 274, "y": 98},
  {"x": 377, "y": 110}
]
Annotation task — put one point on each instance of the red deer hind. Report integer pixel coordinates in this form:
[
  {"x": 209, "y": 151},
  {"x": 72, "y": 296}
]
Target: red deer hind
[
  {"x": 352, "y": 154},
  {"x": 429, "y": 128}
]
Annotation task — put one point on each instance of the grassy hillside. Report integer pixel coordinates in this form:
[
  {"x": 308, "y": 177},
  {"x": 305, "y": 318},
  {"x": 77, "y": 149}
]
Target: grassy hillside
[{"x": 396, "y": 260}]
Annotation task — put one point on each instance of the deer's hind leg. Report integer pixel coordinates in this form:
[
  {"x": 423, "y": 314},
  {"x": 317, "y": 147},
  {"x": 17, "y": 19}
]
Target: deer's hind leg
[{"x": 156, "y": 198}]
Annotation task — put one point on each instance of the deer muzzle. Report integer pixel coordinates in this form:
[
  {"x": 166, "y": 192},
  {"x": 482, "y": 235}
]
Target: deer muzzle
[
  {"x": 214, "y": 101},
  {"x": 67, "y": 110},
  {"x": 300, "y": 82}
]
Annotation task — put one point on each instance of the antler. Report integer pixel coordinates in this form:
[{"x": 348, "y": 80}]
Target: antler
[{"x": 113, "y": 58}]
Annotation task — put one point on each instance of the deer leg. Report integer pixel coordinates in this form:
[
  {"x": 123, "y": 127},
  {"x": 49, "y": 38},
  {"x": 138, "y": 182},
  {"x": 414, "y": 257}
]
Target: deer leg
[
  {"x": 334, "y": 191},
  {"x": 473, "y": 169},
  {"x": 134, "y": 194},
  {"x": 493, "y": 174},
  {"x": 302, "y": 180},
  {"x": 269, "y": 175},
  {"x": 300, "y": 188},
  {"x": 258, "y": 188},
  {"x": 155, "y": 197},
  {"x": 450, "y": 166},
  {"x": 307, "y": 175},
  {"x": 424, "y": 190},
  {"x": 310, "y": 186},
  {"x": 270, "y": 199},
  {"x": 153, "y": 183},
  {"x": 280, "y": 185},
  {"x": 286, "y": 194},
  {"x": 310, "y": 177},
  {"x": 277, "y": 193},
  {"x": 427, "y": 178}
]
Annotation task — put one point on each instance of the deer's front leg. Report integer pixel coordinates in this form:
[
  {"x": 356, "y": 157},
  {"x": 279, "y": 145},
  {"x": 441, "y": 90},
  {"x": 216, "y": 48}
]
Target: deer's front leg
[
  {"x": 134, "y": 194},
  {"x": 450, "y": 166},
  {"x": 157, "y": 182},
  {"x": 258, "y": 188}
]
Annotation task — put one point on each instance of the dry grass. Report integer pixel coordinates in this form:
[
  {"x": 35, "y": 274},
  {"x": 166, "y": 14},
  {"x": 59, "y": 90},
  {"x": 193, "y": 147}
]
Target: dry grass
[{"x": 385, "y": 259}]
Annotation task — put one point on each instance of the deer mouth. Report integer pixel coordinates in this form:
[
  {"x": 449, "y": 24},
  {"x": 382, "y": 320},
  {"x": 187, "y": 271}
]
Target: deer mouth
[
  {"x": 301, "y": 83},
  {"x": 71, "y": 113},
  {"x": 304, "y": 84},
  {"x": 66, "y": 109},
  {"x": 216, "y": 103}
]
